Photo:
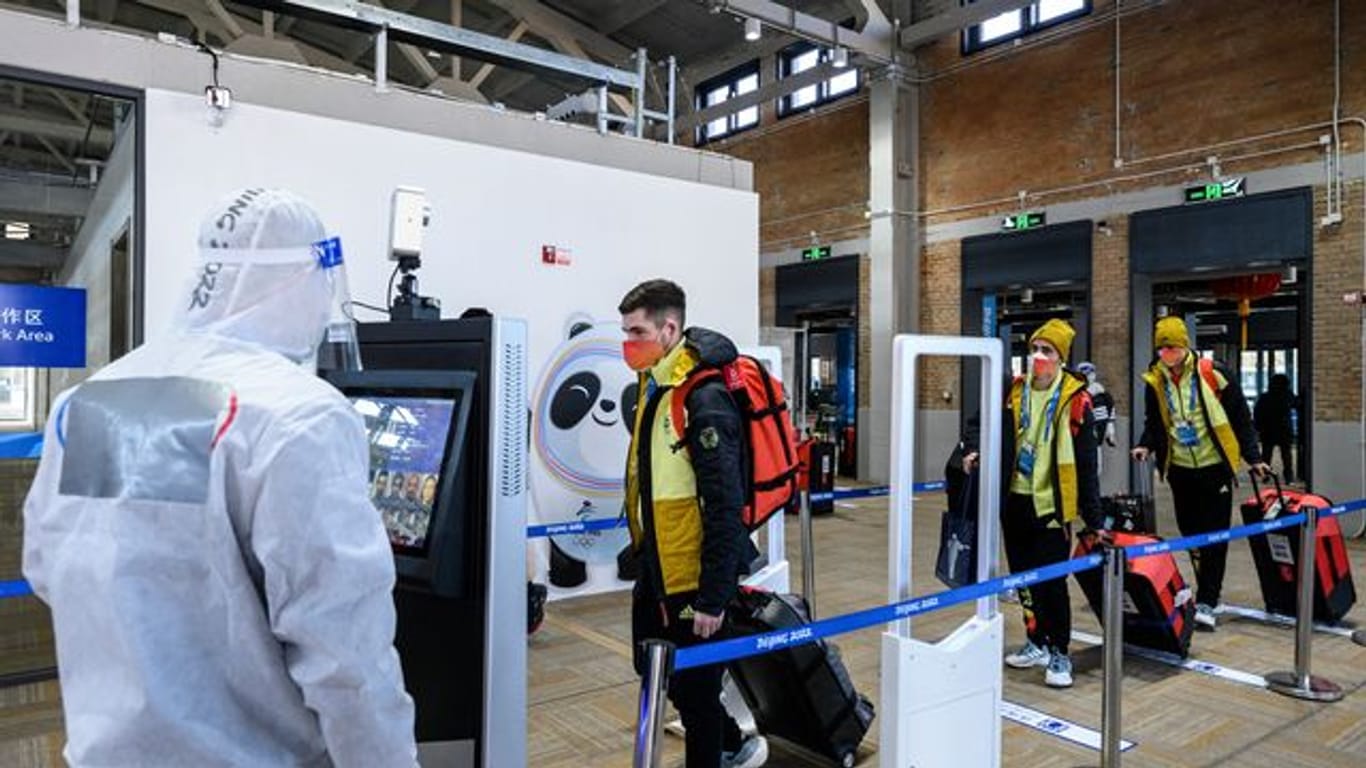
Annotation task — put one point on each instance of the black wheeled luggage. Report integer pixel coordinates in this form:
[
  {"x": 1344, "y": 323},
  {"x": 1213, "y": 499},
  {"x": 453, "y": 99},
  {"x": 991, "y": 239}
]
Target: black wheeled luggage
[
  {"x": 801, "y": 694},
  {"x": 1132, "y": 513}
]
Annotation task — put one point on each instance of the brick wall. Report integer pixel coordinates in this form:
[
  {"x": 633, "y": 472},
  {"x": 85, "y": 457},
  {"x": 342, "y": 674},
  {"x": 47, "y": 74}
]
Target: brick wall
[
  {"x": 1110, "y": 350},
  {"x": 1337, "y": 327},
  {"x": 811, "y": 173},
  {"x": 1039, "y": 116},
  {"x": 941, "y": 313},
  {"x": 1193, "y": 73}
]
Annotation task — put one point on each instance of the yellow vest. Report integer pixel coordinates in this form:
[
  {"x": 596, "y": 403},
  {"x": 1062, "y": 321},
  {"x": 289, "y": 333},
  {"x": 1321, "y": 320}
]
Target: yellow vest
[
  {"x": 1215, "y": 418},
  {"x": 1061, "y": 487},
  {"x": 661, "y": 501}
]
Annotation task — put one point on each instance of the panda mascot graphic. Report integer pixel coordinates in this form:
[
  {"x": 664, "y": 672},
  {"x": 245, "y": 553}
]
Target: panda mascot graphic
[{"x": 581, "y": 419}]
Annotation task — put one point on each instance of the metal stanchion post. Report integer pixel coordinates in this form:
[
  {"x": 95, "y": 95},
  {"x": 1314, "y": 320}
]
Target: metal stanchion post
[
  {"x": 659, "y": 665},
  {"x": 808, "y": 555},
  {"x": 1301, "y": 684},
  {"x": 1113, "y": 648}
]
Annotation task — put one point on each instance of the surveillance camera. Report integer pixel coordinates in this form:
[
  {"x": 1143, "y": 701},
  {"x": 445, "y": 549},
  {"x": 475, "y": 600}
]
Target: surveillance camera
[{"x": 408, "y": 223}]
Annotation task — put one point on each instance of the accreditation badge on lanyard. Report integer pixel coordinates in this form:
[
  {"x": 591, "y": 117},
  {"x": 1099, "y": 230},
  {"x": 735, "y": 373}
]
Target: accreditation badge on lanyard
[
  {"x": 1024, "y": 459},
  {"x": 1185, "y": 429}
]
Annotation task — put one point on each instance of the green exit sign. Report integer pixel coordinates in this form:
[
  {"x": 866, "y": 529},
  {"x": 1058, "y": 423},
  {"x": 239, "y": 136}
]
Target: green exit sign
[
  {"x": 1022, "y": 221},
  {"x": 1217, "y": 190},
  {"x": 816, "y": 253}
]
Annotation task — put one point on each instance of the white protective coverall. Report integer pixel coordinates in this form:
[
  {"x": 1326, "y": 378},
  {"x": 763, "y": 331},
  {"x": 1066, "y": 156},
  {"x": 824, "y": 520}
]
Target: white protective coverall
[{"x": 200, "y": 525}]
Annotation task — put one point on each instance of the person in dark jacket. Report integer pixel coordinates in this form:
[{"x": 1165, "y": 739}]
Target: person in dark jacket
[
  {"x": 1197, "y": 426},
  {"x": 1049, "y": 470},
  {"x": 683, "y": 504},
  {"x": 1275, "y": 427}
]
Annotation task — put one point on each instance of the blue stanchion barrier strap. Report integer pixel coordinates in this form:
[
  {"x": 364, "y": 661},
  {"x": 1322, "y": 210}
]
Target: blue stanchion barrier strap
[
  {"x": 585, "y": 526},
  {"x": 581, "y": 526},
  {"x": 1215, "y": 537},
  {"x": 739, "y": 648},
  {"x": 18, "y": 588}
]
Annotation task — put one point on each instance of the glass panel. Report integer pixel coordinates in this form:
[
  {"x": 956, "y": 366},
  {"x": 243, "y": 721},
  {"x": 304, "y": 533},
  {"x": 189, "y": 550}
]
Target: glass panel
[
  {"x": 717, "y": 95},
  {"x": 747, "y": 117},
  {"x": 1052, "y": 9},
  {"x": 717, "y": 128},
  {"x": 1005, "y": 25},
  {"x": 747, "y": 84},
  {"x": 803, "y": 98},
  {"x": 843, "y": 83},
  {"x": 803, "y": 62}
]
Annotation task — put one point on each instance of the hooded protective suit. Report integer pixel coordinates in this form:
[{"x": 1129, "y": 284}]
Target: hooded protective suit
[{"x": 200, "y": 525}]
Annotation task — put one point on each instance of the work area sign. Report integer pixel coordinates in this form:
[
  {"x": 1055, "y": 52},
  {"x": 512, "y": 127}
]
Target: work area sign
[{"x": 42, "y": 327}]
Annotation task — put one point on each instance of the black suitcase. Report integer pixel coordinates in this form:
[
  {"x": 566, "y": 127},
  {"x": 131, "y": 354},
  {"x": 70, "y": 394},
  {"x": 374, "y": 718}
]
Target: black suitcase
[
  {"x": 1132, "y": 513},
  {"x": 801, "y": 694},
  {"x": 1277, "y": 554}
]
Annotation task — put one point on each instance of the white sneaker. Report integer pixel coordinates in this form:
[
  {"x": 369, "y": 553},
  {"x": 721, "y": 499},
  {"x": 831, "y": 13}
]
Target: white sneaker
[
  {"x": 1059, "y": 673},
  {"x": 753, "y": 752},
  {"x": 1029, "y": 655},
  {"x": 1204, "y": 617}
]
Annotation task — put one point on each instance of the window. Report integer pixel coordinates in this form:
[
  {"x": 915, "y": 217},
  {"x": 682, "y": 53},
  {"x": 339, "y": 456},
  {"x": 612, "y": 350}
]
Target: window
[
  {"x": 16, "y": 230},
  {"x": 802, "y": 57},
  {"x": 1013, "y": 25},
  {"x": 721, "y": 89}
]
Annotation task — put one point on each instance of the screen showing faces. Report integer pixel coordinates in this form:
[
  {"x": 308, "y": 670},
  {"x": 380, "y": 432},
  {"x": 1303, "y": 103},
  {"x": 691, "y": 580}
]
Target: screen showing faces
[{"x": 408, "y": 438}]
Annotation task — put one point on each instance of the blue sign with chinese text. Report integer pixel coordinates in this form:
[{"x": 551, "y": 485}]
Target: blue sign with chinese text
[{"x": 41, "y": 327}]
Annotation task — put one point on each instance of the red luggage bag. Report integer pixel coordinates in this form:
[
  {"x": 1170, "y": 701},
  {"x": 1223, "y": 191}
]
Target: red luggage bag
[
  {"x": 1277, "y": 553},
  {"x": 1159, "y": 610}
]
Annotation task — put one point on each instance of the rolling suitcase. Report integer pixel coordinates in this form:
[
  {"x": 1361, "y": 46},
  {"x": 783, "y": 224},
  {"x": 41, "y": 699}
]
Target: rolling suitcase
[
  {"x": 1276, "y": 554},
  {"x": 1159, "y": 610},
  {"x": 802, "y": 694},
  {"x": 1132, "y": 513}
]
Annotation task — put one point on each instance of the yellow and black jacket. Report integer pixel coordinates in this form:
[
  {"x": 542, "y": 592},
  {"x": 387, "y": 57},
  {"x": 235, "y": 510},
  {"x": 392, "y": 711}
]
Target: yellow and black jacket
[
  {"x": 1225, "y": 413},
  {"x": 684, "y": 497},
  {"x": 1074, "y": 469}
]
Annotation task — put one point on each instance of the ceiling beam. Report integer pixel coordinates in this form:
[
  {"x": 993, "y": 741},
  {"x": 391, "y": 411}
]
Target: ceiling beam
[
  {"x": 773, "y": 89},
  {"x": 956, "y": 19},
  {"x": 23, "y": 123},
  {"x": 552, "y": 25},
  {"x": 22, "y": 253},
  {"x": 56, "y": 153},
  {"x": 487, "y": 69},
  {"x": 626, "y": 14},
  {"x": 878, "y": 45},
  {"x": 443, "y": 36},
  {"x": 70, "y": 106},
  {"x": 26, "y": 197},
  {"x": 227, "y": 19}
]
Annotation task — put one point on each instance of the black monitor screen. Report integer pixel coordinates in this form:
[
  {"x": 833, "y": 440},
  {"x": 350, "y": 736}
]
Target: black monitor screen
[{"x": 408, "y": 443}]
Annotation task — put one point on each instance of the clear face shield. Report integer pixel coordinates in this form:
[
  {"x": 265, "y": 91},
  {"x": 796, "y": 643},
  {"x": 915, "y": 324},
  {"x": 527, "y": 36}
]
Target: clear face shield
[{"x": 339, "y": 349}]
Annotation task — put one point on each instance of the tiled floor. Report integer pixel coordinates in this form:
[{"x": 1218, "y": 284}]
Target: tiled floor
[{"x": 583, "y": 693}]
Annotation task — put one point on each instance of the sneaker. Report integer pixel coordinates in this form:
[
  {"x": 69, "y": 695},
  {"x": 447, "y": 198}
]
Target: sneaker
[
  {"x": 1029, "y": 655},
  {"x": 1204, "y": 617},
  {"x": 1059, "y": 673},
  {"x": 753, "y": 752}
]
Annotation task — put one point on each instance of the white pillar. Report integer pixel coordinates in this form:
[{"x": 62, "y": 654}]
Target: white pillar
[{"x": 894, "y": 251}]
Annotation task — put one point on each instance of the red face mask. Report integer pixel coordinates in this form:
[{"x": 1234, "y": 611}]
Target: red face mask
[
  {"x": 1172, "y": 356},
  {"x": 642, "y": 355},
  {"x": 1043, "y": 367}
]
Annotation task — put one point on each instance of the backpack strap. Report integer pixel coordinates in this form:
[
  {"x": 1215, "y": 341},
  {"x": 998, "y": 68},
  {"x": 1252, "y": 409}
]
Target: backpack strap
[
  {"x": 678, "y": 411},
  {"x": 1079, "y": 405},
  {"x": 1210, "y": 376}
]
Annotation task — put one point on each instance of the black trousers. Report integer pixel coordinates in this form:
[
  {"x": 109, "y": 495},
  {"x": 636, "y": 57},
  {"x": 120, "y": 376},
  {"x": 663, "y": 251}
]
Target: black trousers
[
  {"x": 1030, "y": 544},
  {"x": 1204, "y": 503},
  {"x": 1287, "y": 461},
  {"x": 695, "y": 693}
]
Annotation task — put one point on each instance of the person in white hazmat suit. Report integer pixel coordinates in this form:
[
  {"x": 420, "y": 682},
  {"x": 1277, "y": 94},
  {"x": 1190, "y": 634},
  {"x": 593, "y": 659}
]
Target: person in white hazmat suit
[{"x": 200, "y": 525}]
